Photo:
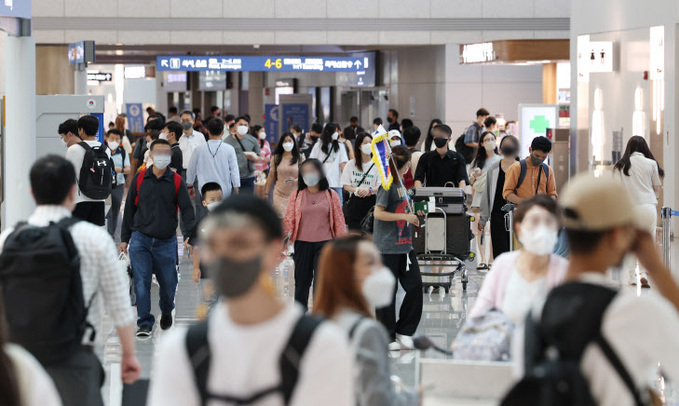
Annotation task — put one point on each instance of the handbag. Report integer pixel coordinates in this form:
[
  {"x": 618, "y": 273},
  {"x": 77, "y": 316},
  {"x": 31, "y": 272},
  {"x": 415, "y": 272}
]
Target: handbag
[{"x": 368, "y": 222}]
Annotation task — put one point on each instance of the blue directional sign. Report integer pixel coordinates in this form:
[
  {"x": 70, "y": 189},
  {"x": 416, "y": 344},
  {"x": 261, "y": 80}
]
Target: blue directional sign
[
  {"x": 16, "y": 8},
  {"x": 100, "y": 131},
  {"x": 260, "y": 63},
  {"x": 135, "y": 117},
  {"x": 271, "y": 122}
]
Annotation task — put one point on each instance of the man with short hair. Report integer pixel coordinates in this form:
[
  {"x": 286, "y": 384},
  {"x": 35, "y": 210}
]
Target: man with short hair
[
  {"x": 229, "y": 119},
  {"x": 188, "y": 143},
  {"x": 216, "y": 162},
  {"x": 441, "y": 166},
  {"x": 245, "y": 346},
  {"x": 306, "y": 144},
  {"x": 377, "y": 123},
  {"x": 406, "y": 123},
  {"x": 68, "y": 130},
  {"x": 157, "y": 194},
  {"x": 247, "y": 152},
  {"x": 473, "y": 133},
  {"x": 392, "y": 119},
  {"x": 531, "y": 176},
  {"x": 79, "y": 377},
  {"x": 411, "y": 136},
  {"x": 86, "y": 208},
  {"x": 121, "y": 166},
  {"x": 353, "y": 130},
  {"x": 216, "y": 111},
  {"x": 605, "y": 332},
  {"x": 173, "y": 115},
  {"x": 172, "y": 132},
  {"x": 490, "y": 124}
]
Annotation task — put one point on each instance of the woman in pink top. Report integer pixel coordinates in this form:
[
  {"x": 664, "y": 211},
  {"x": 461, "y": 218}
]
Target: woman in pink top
[
  {"x": 264, "y": 148},
  {"x": 518, "y": 278},
  {"x": 313, "y": 217}
]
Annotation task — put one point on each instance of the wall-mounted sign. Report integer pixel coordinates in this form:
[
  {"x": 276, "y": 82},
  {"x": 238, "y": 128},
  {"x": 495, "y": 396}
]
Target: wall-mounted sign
[
  {"x": 260, "y": 63},
  {"x": 534, "y": 120},
  {"x": 476, "y": 53},
  {"x": 174, "y": 82},
  {"x": 212, "y": 80},
  {"x": 100, "y": 76},
  {"x": 81, "y": 52},
  {"x": 135, "y": 72},
  {"x": 600, "y": 56},
  {"x": 364, "y": 77},
  {"x": 15, "y": 8}
]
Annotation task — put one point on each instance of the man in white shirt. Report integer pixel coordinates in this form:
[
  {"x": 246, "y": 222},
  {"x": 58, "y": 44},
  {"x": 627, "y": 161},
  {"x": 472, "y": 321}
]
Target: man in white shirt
[
  {"x": 78, "y": 378},
  {"x": 215, "y": 161},
  {"x": 603, "y": 226},
  {"x": 188, "y": 143},
  {"x": 87, "y": 209},
  {"x": 244, "y": 345}
]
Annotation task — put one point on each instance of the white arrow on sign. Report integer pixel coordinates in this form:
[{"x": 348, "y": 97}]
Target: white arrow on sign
[
  {"x": 164, "y": 63},
  {"x": 357, "y": 64}
]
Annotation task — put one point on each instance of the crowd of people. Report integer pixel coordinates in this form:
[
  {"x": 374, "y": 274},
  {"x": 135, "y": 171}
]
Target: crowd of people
[{"x": 242, "y": 202}]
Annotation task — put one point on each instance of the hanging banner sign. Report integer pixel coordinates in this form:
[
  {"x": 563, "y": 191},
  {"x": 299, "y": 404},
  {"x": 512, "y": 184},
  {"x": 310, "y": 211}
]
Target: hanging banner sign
[{"x": 261, "y": 63}]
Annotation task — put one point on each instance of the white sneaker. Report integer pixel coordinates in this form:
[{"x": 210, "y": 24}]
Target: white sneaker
[
  {"x": 394, "y": 346},
  {"x": 406, "y": 341}
]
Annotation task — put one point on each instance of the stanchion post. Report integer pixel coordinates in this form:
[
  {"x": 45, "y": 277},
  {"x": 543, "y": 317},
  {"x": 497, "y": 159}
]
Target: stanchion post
[{"x": 666, "y": 215}]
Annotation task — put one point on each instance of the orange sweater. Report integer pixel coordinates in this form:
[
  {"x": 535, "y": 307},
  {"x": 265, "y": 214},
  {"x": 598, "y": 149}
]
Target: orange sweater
[{"x": 530, "y": 182}]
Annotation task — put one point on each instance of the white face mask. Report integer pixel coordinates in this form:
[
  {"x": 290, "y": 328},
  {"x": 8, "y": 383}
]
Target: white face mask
[
  {"x": 113, "y": 145},
  {"x": 212, "y": 206},
  {"x": 262, "y": 135},
  {"x": 378, "y": 288},
  {"x": 64, "y": 142},
  {"x": 288, "y": 146},
  {"x": 489, "y": 145},
  {"x": 335, "y": 136},
  {"x": 161, "y": 161},
  {"x": 539, "y": 241},
  {"x": 162, "y": 136},
  {"x": 242, "y": 130},
  {"x": 311, "y": 179},
  {"x": 366, "y": 149},
  {"x": 395, "y": 143}
]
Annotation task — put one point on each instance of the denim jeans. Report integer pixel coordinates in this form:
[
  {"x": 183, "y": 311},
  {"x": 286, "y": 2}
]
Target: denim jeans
[
  {"x": 339, "y": 190},
  {"x": 153, "y": 256},
  {"x": 247, "y": 185}
]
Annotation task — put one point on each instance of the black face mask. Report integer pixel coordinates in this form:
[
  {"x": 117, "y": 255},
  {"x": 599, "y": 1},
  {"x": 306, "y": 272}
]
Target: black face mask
[
  {"x": 509, "y": 150},
  {"x": 390, "y": 120},
  {"x": 536, "y": 161},
  {"x": 440, "y": 142}
]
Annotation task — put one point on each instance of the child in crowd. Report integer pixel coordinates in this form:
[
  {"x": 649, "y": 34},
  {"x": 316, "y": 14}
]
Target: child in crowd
[{"x": 212, "y": 196}]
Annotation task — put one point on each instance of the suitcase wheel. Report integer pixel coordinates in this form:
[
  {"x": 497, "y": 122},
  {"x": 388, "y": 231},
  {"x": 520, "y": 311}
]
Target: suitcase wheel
[
  {"x": 464, "y": 286},
  {"x": 472, "y": 219}
]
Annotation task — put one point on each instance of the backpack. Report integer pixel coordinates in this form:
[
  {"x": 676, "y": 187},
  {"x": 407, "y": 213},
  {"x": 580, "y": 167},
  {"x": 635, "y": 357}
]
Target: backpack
[
  {"x": 571, "y": 320},
  {"x": 486, "y": 337},
  {"x": 42, "y": 291},
  {"x": 96, "y": 173},
  {"x": 467, "y": 153},
  {"x": 524, "y": 169},
  {"x": 198, "y": 350},
  {"x": 177, "y": 185}
]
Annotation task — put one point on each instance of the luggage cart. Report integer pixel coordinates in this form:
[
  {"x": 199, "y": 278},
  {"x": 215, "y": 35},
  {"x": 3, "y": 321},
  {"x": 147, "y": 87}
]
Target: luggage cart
[{"x": 438, "y": 262}]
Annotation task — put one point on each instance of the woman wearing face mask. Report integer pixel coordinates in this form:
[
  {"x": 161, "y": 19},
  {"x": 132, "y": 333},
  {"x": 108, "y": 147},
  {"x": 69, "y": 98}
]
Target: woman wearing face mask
[
  {"x": 284, "y": 172},
  {"x": 519, "y": 278},
  {"x": 641, "y": 174},
  {"x": 332, "y": 155},
  {"x": 492, "y": 200},
  {"x": 361, "y": 180},
  {"x": 264, "y": 148},
  {"x": 352, "y": 282},
  {"x": 428, "y": 144},
  {"x": 486, "y": 156},
  {"x": 394, "y": 238},
  {"x": 313, "y": 217}
]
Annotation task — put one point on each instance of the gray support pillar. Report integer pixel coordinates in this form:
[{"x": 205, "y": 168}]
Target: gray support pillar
[{"x": 80, "y": 79}]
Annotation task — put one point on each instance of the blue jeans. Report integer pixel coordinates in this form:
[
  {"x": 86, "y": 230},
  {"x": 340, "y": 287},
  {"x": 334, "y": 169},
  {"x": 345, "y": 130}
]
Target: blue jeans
[
  {"x": 247, "y": 185},
  {"x": 148, "y": 256},
  {"x": 339, "y": 193}
]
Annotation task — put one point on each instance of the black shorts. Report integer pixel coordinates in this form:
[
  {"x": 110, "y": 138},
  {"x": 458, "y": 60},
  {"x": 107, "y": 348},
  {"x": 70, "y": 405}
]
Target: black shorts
[{"x": 92, "y": 212}]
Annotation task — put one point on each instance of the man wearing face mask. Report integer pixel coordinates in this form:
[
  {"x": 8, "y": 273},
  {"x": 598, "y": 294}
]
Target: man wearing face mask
[
  {"x": 215, "y": 161},
  {"x": 189, "y": 141},
  {"x": 531, "y": 176},
  {"x": 68, "y": 130},
  {"x": 172, "y": 132},
  {"x": 251, "y": 330},
  {"x": 615, "y": 333},
  {"x": 306, "y": 144},
  {"x": 392, "y": 119},
  {"x": 441, "y": 166},
  {"x": 156, "y": 196},
  {"x": 247, "y": 153}
]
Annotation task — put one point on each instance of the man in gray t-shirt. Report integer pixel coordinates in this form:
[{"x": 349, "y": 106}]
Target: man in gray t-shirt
[{"x": 247, "y": 153}]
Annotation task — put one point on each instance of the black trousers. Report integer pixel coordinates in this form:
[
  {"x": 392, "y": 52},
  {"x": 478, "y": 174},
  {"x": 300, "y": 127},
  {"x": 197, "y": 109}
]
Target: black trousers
[
  {"x": 92, "y": 212},
  {"x": 79, "y": 379},
  {"x": 306, "y": 265},
  {"x": 499, "y": 236},
  {"x": 411, "y": 310}
]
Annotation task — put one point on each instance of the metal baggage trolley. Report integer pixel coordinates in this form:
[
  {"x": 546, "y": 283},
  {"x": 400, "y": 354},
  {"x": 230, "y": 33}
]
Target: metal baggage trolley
[{"x": 442, "y": 244}]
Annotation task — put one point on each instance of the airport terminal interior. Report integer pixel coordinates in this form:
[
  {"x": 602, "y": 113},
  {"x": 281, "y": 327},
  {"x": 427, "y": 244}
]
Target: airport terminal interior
[{"x": 383, "y": 202}]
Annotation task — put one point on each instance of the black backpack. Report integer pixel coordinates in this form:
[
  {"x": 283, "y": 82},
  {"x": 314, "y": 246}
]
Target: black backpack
[
  {"x": 199, "y": 353},
  {"x": 468, "y": 153},
  {"x": 42, "y": 290},
  {"x": 96, "y": 174},
  {"x": 524, "y": 169},
  {"x": 571, "y": 320}
]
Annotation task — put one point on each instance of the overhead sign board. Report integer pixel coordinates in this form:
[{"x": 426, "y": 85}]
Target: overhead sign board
[
  {"x": 100, "y": 76},
  {"x": 212, "y": 80},
  {"x": 364, "y": 77},
  {"x": 81, "y": 52},
  {"x": 477, "y": 53},
  {"x": 260, "y": 63},
  {"x": 15, "y": 8}
]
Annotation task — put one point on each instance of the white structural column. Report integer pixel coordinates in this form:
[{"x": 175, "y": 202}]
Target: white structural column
[
  {"x": 80, "y": 81},
  {"x": 19, "y": 136}
]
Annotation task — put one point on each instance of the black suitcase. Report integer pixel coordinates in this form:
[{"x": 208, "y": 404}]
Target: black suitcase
[
  {"x": 451, "y": 200},
  {"x": 459, "y": 235}
]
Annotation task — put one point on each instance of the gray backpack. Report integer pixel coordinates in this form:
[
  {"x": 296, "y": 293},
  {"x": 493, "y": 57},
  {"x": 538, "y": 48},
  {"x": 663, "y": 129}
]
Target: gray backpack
[{"x": 486, "y": 337}]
